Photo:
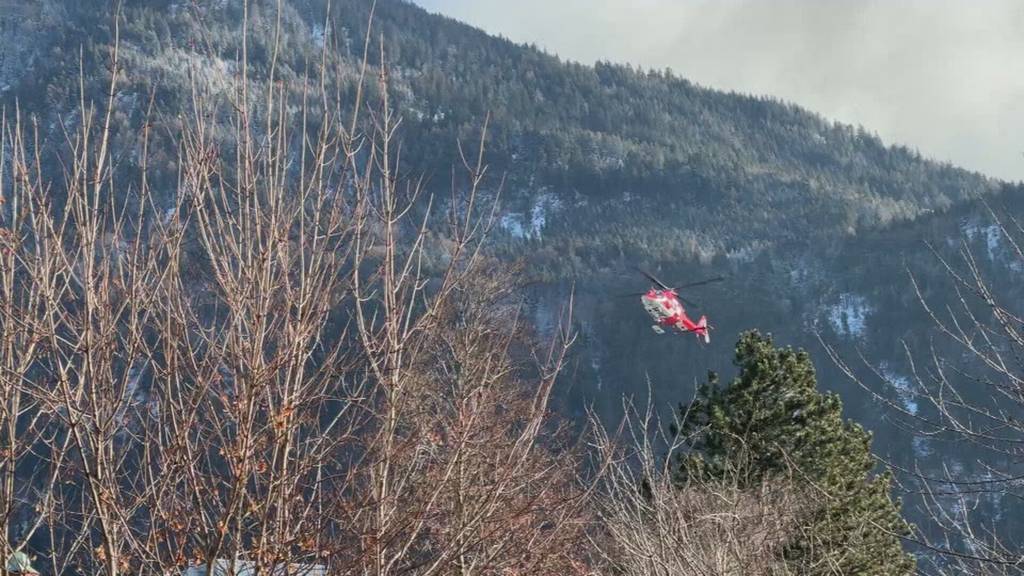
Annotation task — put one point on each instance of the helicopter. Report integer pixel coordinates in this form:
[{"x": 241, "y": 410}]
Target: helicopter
[{"x": 665, "y": 306}]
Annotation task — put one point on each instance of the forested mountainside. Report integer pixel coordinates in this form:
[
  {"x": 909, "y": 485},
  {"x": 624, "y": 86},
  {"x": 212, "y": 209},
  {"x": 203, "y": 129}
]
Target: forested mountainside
[
  {"x": 859, "y": 297},
  {"x": 604, "y": 166},
  {"x": 609, "y": 163}
]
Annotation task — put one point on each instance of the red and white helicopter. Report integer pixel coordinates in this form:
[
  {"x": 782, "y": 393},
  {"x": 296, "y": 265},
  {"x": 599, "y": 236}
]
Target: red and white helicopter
[{"x": 665, "y": 306}]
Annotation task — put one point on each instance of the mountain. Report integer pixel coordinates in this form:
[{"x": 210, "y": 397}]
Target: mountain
[
  {"x": 606, "y": 166},
  {"x": 610, "y": 163}
]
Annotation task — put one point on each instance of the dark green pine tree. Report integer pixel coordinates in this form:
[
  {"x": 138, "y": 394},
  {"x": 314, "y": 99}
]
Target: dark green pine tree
[{"x": 771, "y": 423}]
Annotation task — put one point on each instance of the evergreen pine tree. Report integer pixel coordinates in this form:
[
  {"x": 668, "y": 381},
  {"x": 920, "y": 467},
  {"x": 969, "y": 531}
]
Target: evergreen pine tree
[{"x": 771, "y": 423}]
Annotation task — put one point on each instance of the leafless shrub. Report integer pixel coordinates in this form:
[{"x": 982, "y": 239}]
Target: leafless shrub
[{"x": 652, "y": 526}]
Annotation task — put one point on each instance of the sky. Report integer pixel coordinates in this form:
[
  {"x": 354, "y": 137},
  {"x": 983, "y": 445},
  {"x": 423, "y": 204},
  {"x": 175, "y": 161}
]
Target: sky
[{"x": 945, "y": 77}]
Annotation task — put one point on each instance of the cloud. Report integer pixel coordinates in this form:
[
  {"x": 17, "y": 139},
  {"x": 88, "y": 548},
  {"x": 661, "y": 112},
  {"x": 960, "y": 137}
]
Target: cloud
[{"x": 943, "y": 76}]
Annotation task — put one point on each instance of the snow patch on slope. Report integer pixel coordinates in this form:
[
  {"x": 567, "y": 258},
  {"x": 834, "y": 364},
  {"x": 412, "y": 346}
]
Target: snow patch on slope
[
  {"x": 513, "y": 224},
  {"x": 922, "y": 446},
  {"x": 848, "y": 317},
  {"x": 545, "y": 204},
  {"x": 743, "y": 255},
  {"x": 990, "y": 234},
  {"x": 318, "y": 35},
  {"x": 903, "y": 387},
  {"x": 530, "y": 225}
]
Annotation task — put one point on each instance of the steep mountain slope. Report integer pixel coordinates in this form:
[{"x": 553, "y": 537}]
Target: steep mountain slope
[
  {"x": 855, "y": 295},
  {"x": 637, "y": 163},
  {"x": 608, "y": 163}
]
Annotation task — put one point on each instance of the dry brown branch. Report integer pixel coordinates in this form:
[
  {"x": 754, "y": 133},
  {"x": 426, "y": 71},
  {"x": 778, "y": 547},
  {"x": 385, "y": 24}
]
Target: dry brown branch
[
  {"x": 651, "y": 526},
  {"x": 269, "y": 369}
]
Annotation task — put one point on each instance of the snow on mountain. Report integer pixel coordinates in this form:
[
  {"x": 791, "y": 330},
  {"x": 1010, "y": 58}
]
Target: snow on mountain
[
  {"x": 848, "y": 316},
  {"x": 903, "y": 387},
  {"x": 989, "y": 233},
  {"x": 530, "y": 224}
]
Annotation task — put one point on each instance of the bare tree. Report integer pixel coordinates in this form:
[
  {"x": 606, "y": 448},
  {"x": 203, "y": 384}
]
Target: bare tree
[
  {"x": 28, "y": 429},
  {"x": 969, "y": 384},
  {"x": 272, "y": 369},
  {"x": 651, "y": 525}
]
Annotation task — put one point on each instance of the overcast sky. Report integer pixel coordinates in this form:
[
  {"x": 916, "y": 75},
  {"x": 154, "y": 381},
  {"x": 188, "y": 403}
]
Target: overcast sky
[{"x": 943, "y": 76}]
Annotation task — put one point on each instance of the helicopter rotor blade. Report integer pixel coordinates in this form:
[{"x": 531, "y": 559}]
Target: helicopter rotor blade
[
  {"x": 687, "y": 301},
  {"x": 652, "y": 278},
  {"x": 701, "y": 282}
]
